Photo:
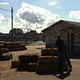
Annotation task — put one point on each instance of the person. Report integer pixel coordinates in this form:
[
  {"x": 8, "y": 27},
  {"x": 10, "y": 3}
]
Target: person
[
  {"x": 0, "y": 52},
  {"x": 62, "y": 50}
]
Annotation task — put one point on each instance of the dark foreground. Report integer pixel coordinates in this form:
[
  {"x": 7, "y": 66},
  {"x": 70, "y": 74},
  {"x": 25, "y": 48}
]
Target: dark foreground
[{"x": 6, "y": 73}]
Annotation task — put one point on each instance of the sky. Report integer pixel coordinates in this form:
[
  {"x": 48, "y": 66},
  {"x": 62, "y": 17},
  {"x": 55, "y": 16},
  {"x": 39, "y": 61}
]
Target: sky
[{"x": 37, "y": 14}]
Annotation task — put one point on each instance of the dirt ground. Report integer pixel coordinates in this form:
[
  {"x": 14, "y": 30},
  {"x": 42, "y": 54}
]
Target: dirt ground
[{"x": 7, "y": 73}]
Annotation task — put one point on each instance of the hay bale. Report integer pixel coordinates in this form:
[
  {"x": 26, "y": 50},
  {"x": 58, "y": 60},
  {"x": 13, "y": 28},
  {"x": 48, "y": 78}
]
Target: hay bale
[
  {"x": 48, "y": 59},
  {"x": 14, "y": 64},
  {"x": 23, "y": 58},
  {"x": 6, "y": 56},
  {"x": 32, "y": 67},
  {"x": 4, "y": 50},
  {"x": 49, "y": 52},
  {"x": 29, "y": 58},
  {"x": 33, "y": 57},
  {"x": 11, "y": 43},
  {"x": 14, "y": 46},
  {"x": 23, "y": 66},
  {"x": 47, "y": 64}
]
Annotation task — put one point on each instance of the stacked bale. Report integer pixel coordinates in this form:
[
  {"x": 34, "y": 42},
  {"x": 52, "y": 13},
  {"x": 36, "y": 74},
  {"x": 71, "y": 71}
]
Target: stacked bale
[
  {"x": 14, "y": 46},
  {"x": 28, "y": 58},
  {"x": 50, "y": 52},
  {"x": 22, "y": 66},
  {"x": 32, "y": 67},
  {"x": 23, "y": 63},
  {"x": 47, "y": 64},
  {"x": 14, "y": 64},
  {"x": 27, "y": 62},
  {"x": 54, "y": 52},
  {"x": 6, "y": 55},
  {"x": 4, "y": 50}
]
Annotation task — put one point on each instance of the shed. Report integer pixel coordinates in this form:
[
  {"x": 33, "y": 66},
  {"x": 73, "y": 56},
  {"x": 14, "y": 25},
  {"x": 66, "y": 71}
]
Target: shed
[{"x": 70, "y": 33}]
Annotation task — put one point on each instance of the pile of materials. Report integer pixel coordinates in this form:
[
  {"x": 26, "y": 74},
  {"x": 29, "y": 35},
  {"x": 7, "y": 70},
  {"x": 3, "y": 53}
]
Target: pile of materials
[
  {"x": 5, "y": 54},
  {"x": 26, "y": 62},
  {"x": 48, "y": 62},
  {"x": 14, "y": 46}
]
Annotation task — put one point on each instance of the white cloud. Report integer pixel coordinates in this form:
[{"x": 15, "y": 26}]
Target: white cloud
[
  {"x": 34, "y": 17},
  {"x": 52, "y": 3},
  {"x": 74, "y": 15},
  {"x": 4, "y": 28},
  {"x": 1, "y": 17},
  {"x": 4, "y": 3}
]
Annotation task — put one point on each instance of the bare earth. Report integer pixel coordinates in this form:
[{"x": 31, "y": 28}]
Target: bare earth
[{"x": 6, "y": 73}]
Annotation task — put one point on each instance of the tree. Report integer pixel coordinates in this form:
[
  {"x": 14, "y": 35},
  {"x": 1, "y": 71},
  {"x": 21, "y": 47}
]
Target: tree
[{"x": 16, "y": 31}]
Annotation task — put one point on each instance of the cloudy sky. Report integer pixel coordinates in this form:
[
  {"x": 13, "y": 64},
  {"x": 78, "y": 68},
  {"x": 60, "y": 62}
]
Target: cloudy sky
[{"x": 37, "y": 14}]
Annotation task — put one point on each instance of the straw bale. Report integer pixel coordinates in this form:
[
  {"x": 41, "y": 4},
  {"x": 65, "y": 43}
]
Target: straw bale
[
  {"x": 4, "y": 50},
  {"x": 7, "y": 56},
  {"x": 48, "y": 59},
  {"x": 48, "y": 64},
  {"x": 14, "y": 64},
  {"x": 50, "y": 52},
  {"x": 49, "y": 68},
  {"x": 32, "y": 67},
  {"x": 14, "y": 46},
  {"x": 28, "y": 58},
  {"x": 23, "y": 58},
  {"x": 22, "y": 66}
]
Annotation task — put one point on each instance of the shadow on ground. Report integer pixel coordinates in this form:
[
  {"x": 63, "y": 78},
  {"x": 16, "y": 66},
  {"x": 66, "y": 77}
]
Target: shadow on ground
[{"x": 56, "y": 74}]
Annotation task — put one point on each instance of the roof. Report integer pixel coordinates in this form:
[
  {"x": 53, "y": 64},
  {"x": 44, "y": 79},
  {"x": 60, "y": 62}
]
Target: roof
[{"x": 69, "y": 22}]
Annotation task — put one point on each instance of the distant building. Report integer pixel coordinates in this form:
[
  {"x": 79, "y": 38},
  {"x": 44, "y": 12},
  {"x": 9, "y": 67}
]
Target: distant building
[{"x": 70, "y": 32}]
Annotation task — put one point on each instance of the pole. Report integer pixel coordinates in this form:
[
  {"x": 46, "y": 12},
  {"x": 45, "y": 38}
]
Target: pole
[{"x": 12, "y": 21}]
